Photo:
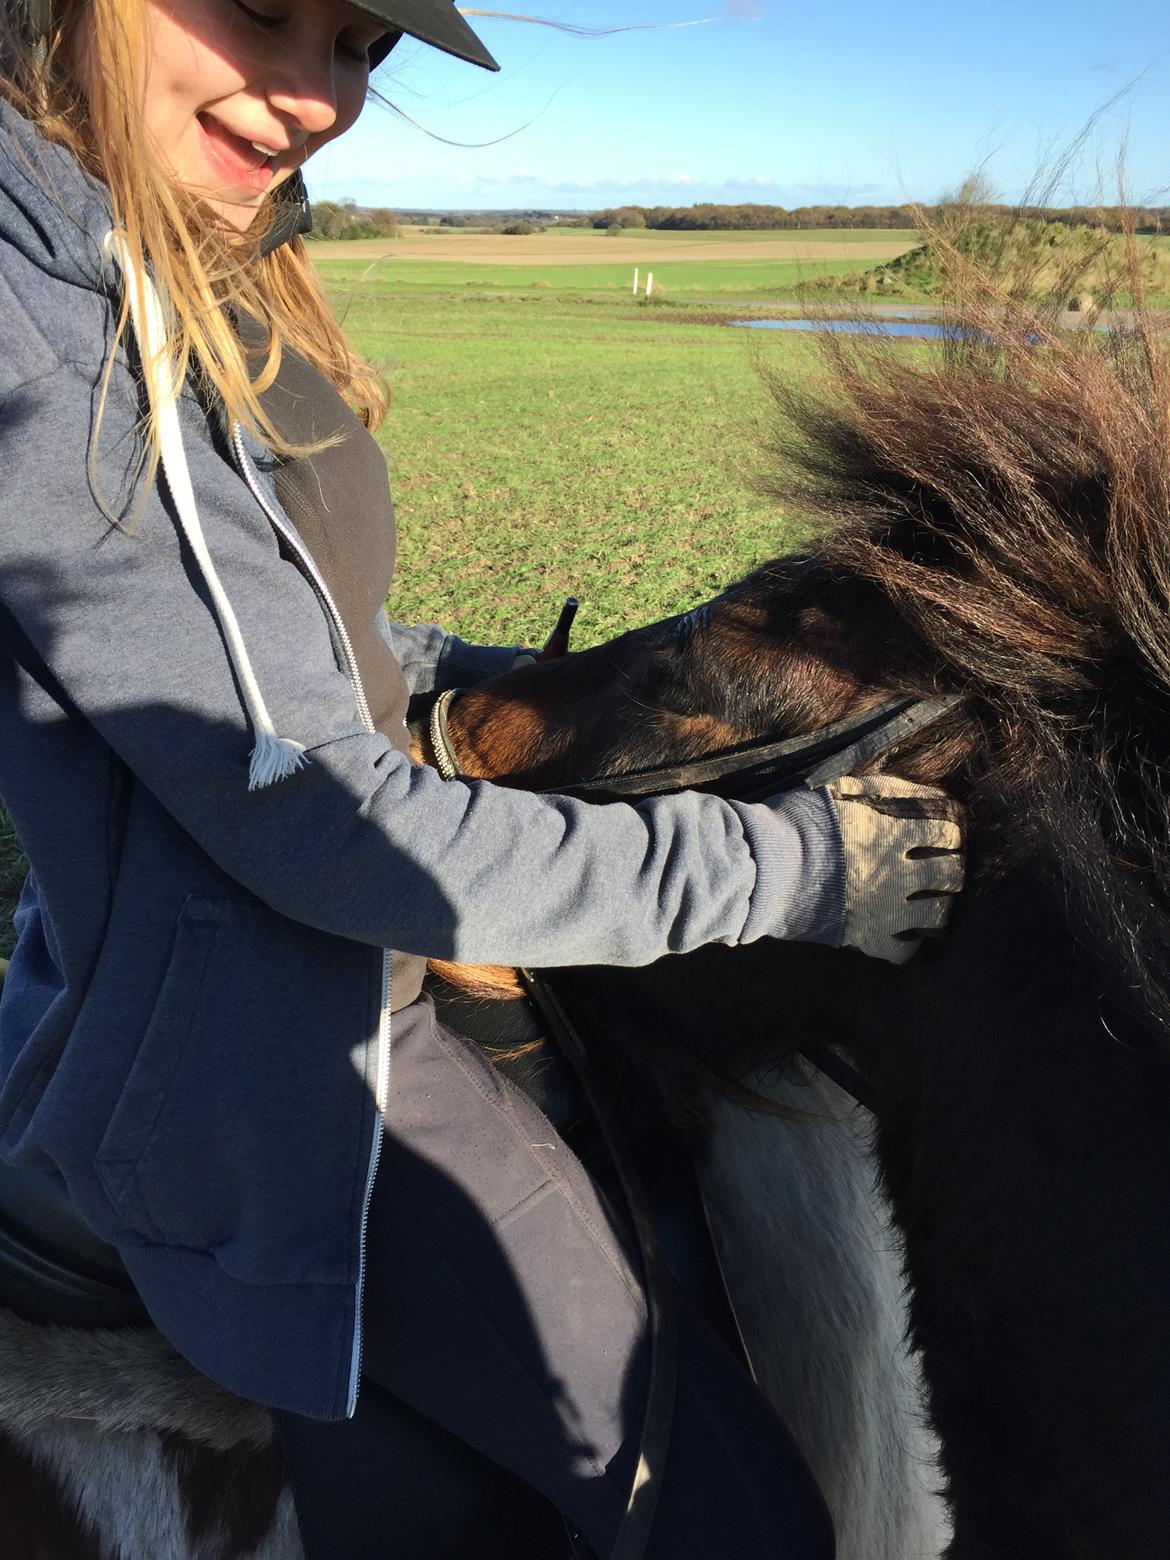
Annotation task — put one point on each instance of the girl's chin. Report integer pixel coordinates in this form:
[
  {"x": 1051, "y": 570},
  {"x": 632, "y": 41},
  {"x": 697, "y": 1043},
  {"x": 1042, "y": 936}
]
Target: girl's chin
[
  {"x": 236, "y": 214},
  {"x": 236, "y": 208}
]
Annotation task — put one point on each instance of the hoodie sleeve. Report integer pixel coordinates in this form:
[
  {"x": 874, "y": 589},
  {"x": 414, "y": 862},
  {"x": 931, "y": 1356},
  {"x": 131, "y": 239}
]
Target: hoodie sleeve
[
  {"x": 433, "y": 660},
  {"x": 359, "y": 841}
]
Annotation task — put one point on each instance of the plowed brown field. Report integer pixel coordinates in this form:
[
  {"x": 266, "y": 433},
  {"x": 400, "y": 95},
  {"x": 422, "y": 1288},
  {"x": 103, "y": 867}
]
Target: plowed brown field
[{"x": 549, "y": 249}]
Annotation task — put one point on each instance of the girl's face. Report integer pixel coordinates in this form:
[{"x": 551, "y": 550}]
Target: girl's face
[{"x": 238, "y": 96}]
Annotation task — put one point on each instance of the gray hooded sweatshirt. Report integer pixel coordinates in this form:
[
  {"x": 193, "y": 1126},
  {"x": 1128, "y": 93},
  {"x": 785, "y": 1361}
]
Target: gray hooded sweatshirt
[{"x": 195, "y": 1028}]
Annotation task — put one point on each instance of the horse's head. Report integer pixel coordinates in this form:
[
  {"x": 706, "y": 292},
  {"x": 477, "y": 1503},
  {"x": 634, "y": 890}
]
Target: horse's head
[{"x": 797, "y": 646}]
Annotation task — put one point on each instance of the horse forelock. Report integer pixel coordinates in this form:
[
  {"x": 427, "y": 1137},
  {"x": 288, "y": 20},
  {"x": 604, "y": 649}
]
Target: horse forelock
[{"x": 1010, "y": 504}]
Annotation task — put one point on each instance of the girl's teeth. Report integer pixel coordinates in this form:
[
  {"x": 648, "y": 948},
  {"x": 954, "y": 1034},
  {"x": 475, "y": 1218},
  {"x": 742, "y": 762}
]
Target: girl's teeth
[{"x": 265, "y": 151}]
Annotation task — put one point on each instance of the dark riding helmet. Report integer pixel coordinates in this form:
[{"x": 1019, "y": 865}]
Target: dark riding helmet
[{"x": 436, "y": 22}]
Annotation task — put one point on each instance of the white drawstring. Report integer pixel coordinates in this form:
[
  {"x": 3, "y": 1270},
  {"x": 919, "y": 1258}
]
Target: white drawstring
[{"x": 273, "y": 757}]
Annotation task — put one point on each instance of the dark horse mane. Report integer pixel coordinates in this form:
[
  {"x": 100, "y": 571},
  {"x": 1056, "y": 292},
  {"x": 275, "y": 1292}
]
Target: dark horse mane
[{"x": 999, "y": 515}]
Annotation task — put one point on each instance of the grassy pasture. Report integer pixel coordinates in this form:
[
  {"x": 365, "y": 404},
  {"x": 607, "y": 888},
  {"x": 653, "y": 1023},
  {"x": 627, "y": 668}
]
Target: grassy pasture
[
  {"x": 566, "y": 246},
  {"x": 542, "y": 444},
  {"x": 680, "y": 280},
  {"x": 549, "y": 434}
]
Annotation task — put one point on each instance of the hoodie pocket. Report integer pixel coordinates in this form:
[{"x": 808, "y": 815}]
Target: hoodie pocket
[{"x": 240, "y": 1127}]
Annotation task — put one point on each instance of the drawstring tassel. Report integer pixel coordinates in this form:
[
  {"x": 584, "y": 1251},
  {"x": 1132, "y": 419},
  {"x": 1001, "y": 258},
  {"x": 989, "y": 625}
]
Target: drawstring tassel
[{"x": 274, "y": 757}]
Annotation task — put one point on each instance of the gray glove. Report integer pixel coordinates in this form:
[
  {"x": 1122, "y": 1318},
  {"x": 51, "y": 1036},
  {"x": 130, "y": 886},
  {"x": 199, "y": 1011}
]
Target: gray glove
[{"x": 903, "y": 847}]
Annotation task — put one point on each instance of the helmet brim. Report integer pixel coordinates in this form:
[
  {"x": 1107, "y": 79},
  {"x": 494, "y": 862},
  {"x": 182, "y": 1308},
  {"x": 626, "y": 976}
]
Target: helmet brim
[{"x": 436, "y": 22}]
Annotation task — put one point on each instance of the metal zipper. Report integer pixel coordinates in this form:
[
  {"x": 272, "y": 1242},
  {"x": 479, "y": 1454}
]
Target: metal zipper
[
  {"x": 382, "y": 1070},
  {"x": 309, "y": 568}
]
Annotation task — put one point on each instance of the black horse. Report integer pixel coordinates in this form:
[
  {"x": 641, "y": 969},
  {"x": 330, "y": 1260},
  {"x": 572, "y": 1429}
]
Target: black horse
[{"x": 1000, "y": 530}]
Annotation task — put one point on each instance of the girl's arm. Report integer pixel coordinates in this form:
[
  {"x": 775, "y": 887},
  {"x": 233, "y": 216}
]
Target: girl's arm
[
  {"x": 432, "y": 659},
  {"x": 358, "y": 842}
]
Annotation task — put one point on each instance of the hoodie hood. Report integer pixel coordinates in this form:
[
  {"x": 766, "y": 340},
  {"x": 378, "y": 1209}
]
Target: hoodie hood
[
  {"x": 58, "y": 218},
  {"x": 51, "y": 211}
]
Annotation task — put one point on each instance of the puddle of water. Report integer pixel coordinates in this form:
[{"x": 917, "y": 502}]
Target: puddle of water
[{"x": 929, "y": 329}]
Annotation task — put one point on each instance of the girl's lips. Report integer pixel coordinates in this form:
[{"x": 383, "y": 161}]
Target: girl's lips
[{"x": 237, "y": 161}]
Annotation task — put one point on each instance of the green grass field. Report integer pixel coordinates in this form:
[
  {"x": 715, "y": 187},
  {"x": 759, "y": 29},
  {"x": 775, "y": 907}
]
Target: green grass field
[
  {"x": 684, "y": 280},
  {"x": 687, "y": 267},
  {"x": 539, "y": 444}
]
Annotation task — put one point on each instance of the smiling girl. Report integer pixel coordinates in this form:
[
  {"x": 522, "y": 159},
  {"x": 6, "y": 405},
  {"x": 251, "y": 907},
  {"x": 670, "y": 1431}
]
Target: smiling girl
[
  {"x": 221, "y": 138},
  {"x": 209, "y": 1054}
]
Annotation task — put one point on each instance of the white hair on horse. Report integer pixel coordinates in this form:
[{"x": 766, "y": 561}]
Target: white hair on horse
[{"x": 813, "y": 1268}]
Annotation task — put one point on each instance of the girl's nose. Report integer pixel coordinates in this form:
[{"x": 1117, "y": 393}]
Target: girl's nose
[{"x": 306, "y": 94}]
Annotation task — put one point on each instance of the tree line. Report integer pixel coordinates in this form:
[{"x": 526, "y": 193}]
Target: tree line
[
  {"x": 346, "y": 219},
  {"x": 708, "y": 217}
]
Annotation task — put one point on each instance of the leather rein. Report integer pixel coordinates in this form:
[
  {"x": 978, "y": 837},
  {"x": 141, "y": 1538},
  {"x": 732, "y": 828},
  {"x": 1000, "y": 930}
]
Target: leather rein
[{"x": 749, "y": 769}]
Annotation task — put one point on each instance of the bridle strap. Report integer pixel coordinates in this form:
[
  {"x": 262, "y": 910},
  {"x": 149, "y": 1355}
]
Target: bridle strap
[
  {"x": 848, "y": 1078},
  {"x": 894, "y": 730},
  {"x": 813, "y": 759},
  {"x": 756, "y": 767}
]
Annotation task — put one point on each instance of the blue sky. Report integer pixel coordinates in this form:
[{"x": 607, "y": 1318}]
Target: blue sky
[{"x": 779, "y": 101}]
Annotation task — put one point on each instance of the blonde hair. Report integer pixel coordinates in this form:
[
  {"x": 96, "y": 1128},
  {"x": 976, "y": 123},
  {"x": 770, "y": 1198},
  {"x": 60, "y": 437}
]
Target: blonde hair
[{"x": 79, "y": 84}]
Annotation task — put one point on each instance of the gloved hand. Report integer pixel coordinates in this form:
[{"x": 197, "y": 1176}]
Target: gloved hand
[{"x": 903, "y": 847}]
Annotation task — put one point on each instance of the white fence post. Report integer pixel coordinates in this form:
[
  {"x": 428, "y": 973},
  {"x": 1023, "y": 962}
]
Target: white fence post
[
  {"x": 635, "y": 281},
  {"x": 649, "y": 283}
]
